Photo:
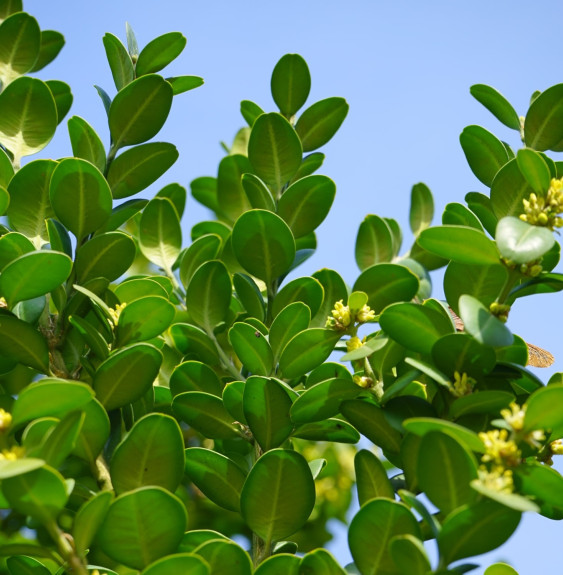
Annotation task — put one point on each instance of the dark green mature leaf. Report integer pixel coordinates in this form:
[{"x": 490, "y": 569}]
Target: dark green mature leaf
[
  {"x": 208, "y": 296},
  {"x": 139, "y": 111},
  {"x": 231, "y": 197},
  {"x": 29, "y": 117},
  {"x": 521, "y": 242},
  {"x": 379, "y": 520},
  {"x": 86, "y": 143},
  {"x": 291, "y": 320},
  {"x": 374, "y": 242},
  {"x": 92, "y": 337},
  {"x": 160, "y": 234},
  {"x": 126, "y": 375},
  {"x": 6, "y": 169},
  {"x": 217, "y": 476},
  {"x": 279, "y": 564},
  {"x": 202, "y": 250},
  {"x": 306, "y": 203},
  {"x": 543, "y": 125},
  {"x": 422, "y": 425},
  {"x": 409, "y": 555},
  {"x": 307, "y": 290},
  {"x": 263, "y": 244},
  {"x": 137, "y": 168},
  {"x": 291, "y": 83},
  {"x": 160, "y": 522},
  {"x": 462, "y": 353},
  {"x": 33, "y": 274},
  {"x": 534, "y": 169},
  {"x": 252, "y": 348},
  {"x": 476, "y": 529},
  {"x": 194, "y": 376},
  {"x": 232, "y": 399},
  {"x": 225, "y": 557},
  {"x": 544, "y": 411},
  {"x": 318, "y": 123},
  {"x": 278, "y": 495},
  {"x": 258, "y": 194},
  {"x": 20, "y": 40},
  {"x": 152, "y": 453},
  {"x": 458, "y": 215},
  {"x": 307, "y": 350},
  {"x": 179, "y": 563},
  {"x": 23, "y": 565},
  {"x": 489, "y": 402},
  {"x": 309, "y": 165},
  {"x": 181, "y": 84},
  {"x": 107, "y": 255},
  {"x": 544, "y": 485},
  {"x": 331, "y": 429},
  {"x": 8, "y": 7},
  {"x": 95, "y": 432},
  {"x": 177, "y": 195},
  {"x": 371, "y": 477},
  {"x": 121, "y": 214},
  {"x": 119, "y": 61},
  {"x": 190, "y": 339},
  {"x": 320, "y": 562},
  {"x": 80, "y": 196},
  {"x": 481, "y": 324},
  {"x": 508, "y": 190},
  {"x": 250, "y": 296},
  {"x": 52, "y": 43},
  {"x": 421, "y": 208},
  {"x": 484, "y": 152},
  {"x": 274, "y": 150},
  {"x": 334, "y": 288},
  {"x": 159, "y": 52},
  {"x": 497, "y": 104}
]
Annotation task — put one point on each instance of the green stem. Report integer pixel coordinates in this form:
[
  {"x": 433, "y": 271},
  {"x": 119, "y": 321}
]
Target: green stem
[
  {"x": 111, "y": 155},
  {"x": 66, "y": 548}
]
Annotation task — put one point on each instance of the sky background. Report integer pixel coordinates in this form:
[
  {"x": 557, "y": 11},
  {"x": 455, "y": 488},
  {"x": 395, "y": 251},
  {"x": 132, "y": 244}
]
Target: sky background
[{"x": 405, "y": 68}]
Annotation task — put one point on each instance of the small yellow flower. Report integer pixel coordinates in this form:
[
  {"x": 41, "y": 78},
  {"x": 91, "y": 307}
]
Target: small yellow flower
[
  {"x": 353, "y": 343},
  {"x": 12, "y": 454},
  {"x": 463, "y": 384},
  {"x": 514, "y": 416},
  {"x": 499, "y": 449},
  {"x": 341, "y": 318},
  {"x": 498, "y": 479},
  {"x": 557, "y": 447},
  {"x": 5, "y": 420},
  {"x": 115, "y": 313},
  {"x": 363, "y": 381},
  {"x": 365, "y": 314},
  {"x": 543, "y": 211}
]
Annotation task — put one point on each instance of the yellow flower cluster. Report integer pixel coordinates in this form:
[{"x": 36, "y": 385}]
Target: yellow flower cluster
[
  {"x": 500, "y": 310},
  {"x": 363, "y": 381},
  {"x": 5, "y": 420},
  {"x": 497, "y": 479},
  {"x": 462, "y": 385},
  {"x": 557, "y": 447},
  {"x": 499, "y": 449},
  {"x": 514, "y": 416},
  {"x": 12, "y": 454},
  {"x": 115, "y": 313},
  {"x": 342, "y": 318},
  {"x": 543, "y": 211},
  {"x": 353, "y": 343}
]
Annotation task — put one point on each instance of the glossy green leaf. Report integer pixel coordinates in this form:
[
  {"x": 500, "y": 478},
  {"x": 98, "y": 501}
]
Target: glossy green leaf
[
  {"x": 386, "y": 284},
  {"x": 126, "y": 375},
  {"x": 422, "y": 425},
  {"x": 211, "y": 227},
  {"x": 252, "y": 348},
  {"x": 208, "y": 296},
  {"x": 233, "y": 393},
  {"x": 460, "y": 244},
  {"x": 544, "y": 411},
  {"x": 481, "y": 324},
  {"x": 119, "y": 61},
  {"x": 178, "y": 563},
  {"x": 52, "y": 43},
  {"x": 205, "y": 413},
  {"x": 266, "y": 409},
  {"x": 320, "y": 562},
  {"x": 121, "y": 214},
  {"x": 508, "y": 190},
  {"x": 41, "y": 494},
  {"x": 497, "y": 104},
  {"x": 95, "y": 432},
  {"x": 159, "y": 52},
  {"x": 379, "y": 520},
  {"x": 318, "y": 123},
  {"x": 8, "y": 7},
  {"x": 190, "y": 339},
  {"x": 86, "y": 143},
  {"x": 80, "y": 196},
  {"x": 481, "y": 206},
  {"x": 274, "y": 150},
  {"x": 534, "y": 169},
  {"x": 335, "y": 430},
  {"x": 139, "y": 110},
  {"x": 278, "y": 495},
  {"x": 137, "y": 168},
  {"x": 462, "y": 353},
  {"x": 500, "y": 569},
  {"x": 513, "y": 501},
  {"x": 160, "y": 522},
  {"x": 421, "y": 208},
  {"x": 232, "y": 200},
  {"x": 133, "y": 289},
  {"x": 334, "y": 288},
  {"x": 33, "y": 274},
  {"x": 107, "y": 255},
  {"x": 6, "y": 169},
  {"x": 263, "y": 244},
  {"x": 194, "y": 376},
  {"x": 20, "y": 41},
  {"x": 23, "y": 565},
  {"x": 196, "y": 537},
  {"x": 520, "y": 242},
  {"x": 29, "y": 117},
  {"x": 374, "y": 242},
  {"x": 543, "y": 485},
  {"x": 370, "y": 421},
  {"x": 63, "y": 98},
  {"x": 543, "y": 125},
  {"x": 307, "y": 350},
  {"x": 250, "y": 111},
  {"x": 217, "y": 476},
  {"x": 181, "y": 84},
  {"x": 204, "y": 190},
  {"x": 484, "y": 152},
  {"x": 291, "y": 82},
  {"x": 12, "y": 246},
  {"x": 177, "y": 195},
  {"x": 225, "y": 557},
  {"x": 202, "y": 250},
  {"x": 371, "y": 477},
  {"x": 290, "y": 321},
  {"x": 307, "y": 290},
  {"x": 257, "y": 193},
  {"x": 60, "y": 442},
  {"x": 458, "y": 215},
  {"x": 282, "y": 564},
  {"x": 13, "y": 467},
  {"x": 309, "y": 165},
  {"x": 476, "y": 529},
  {"x": 160, "y": 234},
  {"x": 250, "y": 296},
  {"x": 106, "y": 100}
]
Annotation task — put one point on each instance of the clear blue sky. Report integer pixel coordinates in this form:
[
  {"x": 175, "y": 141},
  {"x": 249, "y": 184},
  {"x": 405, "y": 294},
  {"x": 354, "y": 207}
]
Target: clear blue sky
[{"x": 405, "y": 68}]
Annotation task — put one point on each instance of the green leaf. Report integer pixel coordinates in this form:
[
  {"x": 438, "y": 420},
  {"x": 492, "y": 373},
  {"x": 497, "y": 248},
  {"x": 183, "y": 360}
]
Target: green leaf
[
  {"x": 534, "y": 169},
  {"x": 307, "y": 350},
  {"x": 543, "y": 125},
  {"x": 370, "y": 421},
  {"x": 41, "y": 494},
  {"x": 252, "y": 348},
  {"x": 483, "y": 325},
  {"x": 278, "y": 495},
  {"x": 22, "y": 565},
  {"x": 160, "y": 522},
  {"x": 334, "y": 288},
  {"x": 194, "y": 376},
  {"x": 80, "y": 196},
  {"x": 520, "y": 242},
  {"x": 20, "y": 41},
  {"x": 178, "y": 563},
  {"x": 476, "y": 529},
  {"x": 379, "y": 520},
  {"x": 335, "y": 430},
  {"x": 202, "y": 250},
  {"x": 497, "y": 104},
  {"x": 107, "y": 255},
  {"x": 500, "y": 569},
  {"x": 160, "y": 234},
  {"x": 508, "y": 190},
  {"x": 318, "y": 123},
  {"x": 309, "y": 165},
  {"x": 181, "y": 84},
  {"x": 266, "y": 409},
  {"x": 6, "y": 169},
  {"x": 460, "y": 244},
  {"x": 225, "y": 557},
  {"x": 458, "y": 215},
  {"x": 119, "y": 61},
  {"x": 208, "y": 296},
  {"x": 52, "y": 43},
  {"x": 29, "y": 117},
  {"x": 544, "y": 485},
  {"x": 137, "y": 168},
  {"x": 232, "y": 399},
  {"x": 462, "y": 353},
  {"x": 279, "y": 564},
  {"x": 159, "y": 52},
  {"x": 86, "y": 143},
  {"x": 139, "y": 110},
  {"x": 60, "y": 442},
  {"x": 126, "y": 375},
  {"x": 290, "y": 321},
  {"x": 217, "y": 476},
  {"x": 543, "y": 411},
  {"x": 291, "y": 83},
  {"x": 274, "y": 150},
  {"x": 13, "y": 467},
  {"x": 374, "y": 242},
  {"x": 320, "y": 562},
  {"x": 421, "y": 208},
  {"x": 132, "y": 46},
  {"x": 250, "y": 296},
  {"x": 190, "y": 339},
  {"x": 307, "y": 290},
  {"x": 484, "y": 152},
  {"x": 121, "y": 214},
  {"x": 231, "y": 198},
  {"x": 33, "y": 274},
  {"x": 106, "y": 100},
  {"x": 386, "y": 284},
  {"x": 371, "y": 477},
  {"x": 8, "y": 7},
  {"x": 12, "y": 246},
  {"x": 63, "y": 98},
  {"x": 205, "y": 413},
  {"x": 263, "y": 244},
  {"x": 95, "y": 432},
  {"x": 257, "y": 193},
  {"x": 136, "y": 288},
  {"x": 152, "y": 453},
  {"x": 422, "y": 425},
  {"x": 250, "y": 111}
]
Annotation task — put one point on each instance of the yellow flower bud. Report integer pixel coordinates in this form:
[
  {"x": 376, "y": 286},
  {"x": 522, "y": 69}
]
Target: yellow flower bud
[{"x": 5, "y": 420}]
